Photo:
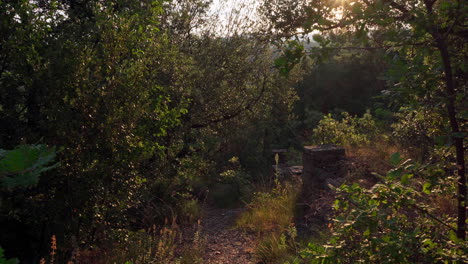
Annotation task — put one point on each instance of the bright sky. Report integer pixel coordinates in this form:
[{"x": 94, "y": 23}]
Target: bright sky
[{"x": 232, "y": 15}]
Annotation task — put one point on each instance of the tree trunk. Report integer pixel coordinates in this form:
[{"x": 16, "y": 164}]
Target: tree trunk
[{"x": 457, "y": 139}]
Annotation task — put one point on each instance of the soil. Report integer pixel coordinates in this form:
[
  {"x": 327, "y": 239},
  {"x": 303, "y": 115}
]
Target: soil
[{"x": 224, "y": 243}]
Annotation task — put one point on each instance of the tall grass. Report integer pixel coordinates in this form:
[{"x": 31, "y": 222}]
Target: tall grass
[
  {"x": 193, "y": 253},
  {"x": 373, "y": 156},
  {"x": 270, "y": 211},
  {"x": 270, "y": 215},
  {"x": 156, "y": 246}
]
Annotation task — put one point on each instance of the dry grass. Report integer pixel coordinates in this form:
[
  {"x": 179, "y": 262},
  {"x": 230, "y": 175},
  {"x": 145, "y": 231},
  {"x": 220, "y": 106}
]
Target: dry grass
[
  {"x": 375, "y": 157},
  {"x": 270, "y": 215},
  {"x": 193, "y": 252},
  {"x": 278, "y": 248},
  {"x": 270, "y": 211},
  {"x": 155, "y": 246}
]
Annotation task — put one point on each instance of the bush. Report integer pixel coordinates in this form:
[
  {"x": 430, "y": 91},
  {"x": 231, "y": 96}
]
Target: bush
[
  {"x": 349, "y": 131},
  {"x": 3, "y": 260},
  {"x": 22, "y": 166},
  {"x": 419, "y": 130},
  {"x": 232, "y": 186},
  {"x": 393, "y": 222}
]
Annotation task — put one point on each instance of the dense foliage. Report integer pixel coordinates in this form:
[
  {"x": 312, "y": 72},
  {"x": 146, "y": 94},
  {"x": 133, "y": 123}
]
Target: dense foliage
[
  {"x": 393, "y": 222},
  {"x": 424, "y": 43},
  {"x": 146, "y": 111},
  {"x": 119, "y": 118}
]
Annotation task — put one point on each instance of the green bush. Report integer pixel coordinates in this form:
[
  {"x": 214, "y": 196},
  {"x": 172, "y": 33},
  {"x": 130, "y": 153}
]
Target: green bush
[
  {"x": 349, "y": 131},
  {"x": 232, "y": 186},
  {"x": 419, "y": 130},
  {"x": 390, "y": 223}
]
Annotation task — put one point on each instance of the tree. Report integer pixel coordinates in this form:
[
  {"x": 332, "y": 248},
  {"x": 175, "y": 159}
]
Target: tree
[
  {"x": 140, "y": 96},
  {"x": 426, "y": 38},
  {"x": 101, "y": 81}
]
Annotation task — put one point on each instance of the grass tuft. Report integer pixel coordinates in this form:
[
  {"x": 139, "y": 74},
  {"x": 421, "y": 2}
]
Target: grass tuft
[
  {"x": 271, "y": 216},
  {"x": 270, "y": 211}
]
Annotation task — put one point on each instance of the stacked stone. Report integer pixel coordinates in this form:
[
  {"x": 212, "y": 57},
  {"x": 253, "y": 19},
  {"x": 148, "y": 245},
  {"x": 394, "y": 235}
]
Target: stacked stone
[{"x": 323, "y": 164}]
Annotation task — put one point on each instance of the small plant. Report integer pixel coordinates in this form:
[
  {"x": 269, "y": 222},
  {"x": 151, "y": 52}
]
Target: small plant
[
  {"x": 189, "y": 211},
  {"x": 53, "y": 252},
  {"x": 233, "y": 185}
]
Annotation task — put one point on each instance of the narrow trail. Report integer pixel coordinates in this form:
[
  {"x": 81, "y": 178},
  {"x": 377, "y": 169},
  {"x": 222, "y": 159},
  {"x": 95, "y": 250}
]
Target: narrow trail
[{"x": 224, "y": 243}]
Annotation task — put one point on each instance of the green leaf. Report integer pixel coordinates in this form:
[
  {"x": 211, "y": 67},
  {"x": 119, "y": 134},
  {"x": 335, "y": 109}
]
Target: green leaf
[
  {"x": 395, "y": 159},
  {"x": 405, "y": 178},
  {"x": 453, "y": 237},
  {"x": 7, "y": 261},
  {"x": 280, "y": 62},
  {"x": 366, "y": 233},
  {"x": 22, "y": 166},
  {"x": 395, "y": 173},
  {"x": 427, "y": 188},
  {"x": 318, "y": 38}
]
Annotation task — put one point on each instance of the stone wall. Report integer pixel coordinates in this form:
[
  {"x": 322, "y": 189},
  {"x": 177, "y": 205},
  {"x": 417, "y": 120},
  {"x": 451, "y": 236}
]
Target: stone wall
[{"x": 323, "y": 165}]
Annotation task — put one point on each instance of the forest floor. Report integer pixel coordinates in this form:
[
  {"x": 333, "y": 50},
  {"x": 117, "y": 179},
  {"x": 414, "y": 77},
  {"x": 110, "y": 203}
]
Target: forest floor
[
  {"x": 222, "y": 242},
  {"x": 225, "y": 243}
]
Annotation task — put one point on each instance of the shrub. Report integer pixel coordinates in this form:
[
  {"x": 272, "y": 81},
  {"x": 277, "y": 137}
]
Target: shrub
[
  {"x": 271, "y": 215},
  {"x": 349, "y": 131},
  {"x": 232, "y": 186},
  {"x": 390, "y": 223},
  {"x": 419, "y": 130},
  {"x": 22, "y": 166},
  {"x": 193, "y": 252}
]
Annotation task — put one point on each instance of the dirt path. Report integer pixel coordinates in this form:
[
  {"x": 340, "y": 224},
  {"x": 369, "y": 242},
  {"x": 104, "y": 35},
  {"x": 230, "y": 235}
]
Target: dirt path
[{"x": 224, "y": 243}]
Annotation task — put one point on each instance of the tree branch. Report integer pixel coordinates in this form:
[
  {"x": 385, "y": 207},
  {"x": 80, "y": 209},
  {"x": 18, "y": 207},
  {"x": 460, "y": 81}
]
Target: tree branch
[{"x": 235, "y": 113}]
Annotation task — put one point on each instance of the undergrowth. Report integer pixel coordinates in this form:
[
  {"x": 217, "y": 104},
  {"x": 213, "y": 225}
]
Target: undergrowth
[
  {"x": 270, "y": 211},
  {"x": 270, "y": 215},
  {"x": 159, "y": 246}
]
